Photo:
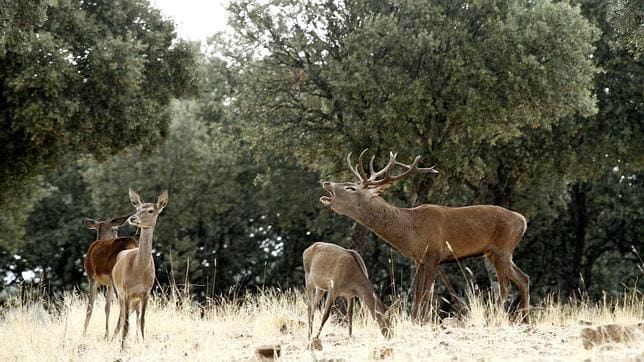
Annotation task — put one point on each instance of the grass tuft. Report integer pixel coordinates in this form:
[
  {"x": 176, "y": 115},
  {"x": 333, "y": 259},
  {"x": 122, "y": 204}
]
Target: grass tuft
[{"x": 178, "y": 329}]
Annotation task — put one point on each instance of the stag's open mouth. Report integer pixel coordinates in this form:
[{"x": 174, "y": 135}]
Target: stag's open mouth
[{"x": 327, "y": 200}]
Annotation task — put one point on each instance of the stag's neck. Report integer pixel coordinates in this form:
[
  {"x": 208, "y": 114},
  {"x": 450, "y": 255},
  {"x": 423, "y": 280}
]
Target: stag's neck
[
  {"x": 145, "y": 247},
  {"x": 391, "y": 223}
]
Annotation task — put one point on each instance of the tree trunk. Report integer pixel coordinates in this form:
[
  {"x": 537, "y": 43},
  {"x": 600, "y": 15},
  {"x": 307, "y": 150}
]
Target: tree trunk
[
  {"x": 359, "y": 234},
  {"x": 420, "y": 190},
  {"x": 579, "y": 216}
]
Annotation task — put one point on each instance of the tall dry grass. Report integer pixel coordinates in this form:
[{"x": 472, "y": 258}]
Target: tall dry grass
[{"x": 179, "y": 330}]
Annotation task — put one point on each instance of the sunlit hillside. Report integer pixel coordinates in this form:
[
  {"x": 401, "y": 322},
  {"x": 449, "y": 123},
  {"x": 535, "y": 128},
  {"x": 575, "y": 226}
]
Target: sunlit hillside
[{"x": 180, "y": 330}]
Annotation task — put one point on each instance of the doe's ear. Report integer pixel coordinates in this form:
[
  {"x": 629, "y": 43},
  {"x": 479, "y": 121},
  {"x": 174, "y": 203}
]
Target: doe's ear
[
  {"x": 163, "y": 200},
  {"x": 135, "y": 198},
  {"x": 118, "y": 221},
  {"x": 89, "y": 223}
]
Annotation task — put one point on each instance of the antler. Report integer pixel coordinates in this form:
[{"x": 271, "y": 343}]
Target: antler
[
  {"x": 373, "y": 180},
  {"x": 358, "y": 170}
]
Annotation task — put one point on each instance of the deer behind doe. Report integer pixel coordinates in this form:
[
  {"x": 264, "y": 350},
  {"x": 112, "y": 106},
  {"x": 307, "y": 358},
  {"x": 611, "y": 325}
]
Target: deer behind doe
[
  {"x": 100, "y": 259},
  {"x": 340, "y": 272}
]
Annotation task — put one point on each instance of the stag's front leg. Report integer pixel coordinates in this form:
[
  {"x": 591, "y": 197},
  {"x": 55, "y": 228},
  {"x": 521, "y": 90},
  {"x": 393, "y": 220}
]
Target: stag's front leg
[
  {"x": 418, "y": 285},
  {"x": 426, "y": 277},
  {"x": 428, "y": 291}
]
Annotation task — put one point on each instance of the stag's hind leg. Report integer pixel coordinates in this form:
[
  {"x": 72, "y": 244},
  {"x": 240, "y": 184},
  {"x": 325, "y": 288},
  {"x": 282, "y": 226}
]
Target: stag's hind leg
[
  {"x": 522, "y": 281},
  {"x": 502, "y": 266}
]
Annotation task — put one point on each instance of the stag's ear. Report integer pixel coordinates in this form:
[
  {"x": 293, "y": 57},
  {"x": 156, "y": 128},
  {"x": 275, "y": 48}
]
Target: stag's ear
[
  {"x": 118, "y": 221},
  {"x": 135, "y": 199},
  {"x": 89, "y": 223},
  {"x": 378, "y": 190},
  {"x": 163, "y": 200}
]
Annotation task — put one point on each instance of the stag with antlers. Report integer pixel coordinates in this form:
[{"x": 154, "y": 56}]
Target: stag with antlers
[{"x": 431, "y": 234}]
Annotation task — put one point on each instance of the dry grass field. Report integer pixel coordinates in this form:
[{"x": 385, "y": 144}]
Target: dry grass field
[{"x": 177, "y": 330}]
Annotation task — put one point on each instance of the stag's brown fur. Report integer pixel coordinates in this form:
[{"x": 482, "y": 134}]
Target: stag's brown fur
[
  {"x": 340, "y": 272},
  {"x": 99, "y": 261},
  {"x": 433, "y": 234}
]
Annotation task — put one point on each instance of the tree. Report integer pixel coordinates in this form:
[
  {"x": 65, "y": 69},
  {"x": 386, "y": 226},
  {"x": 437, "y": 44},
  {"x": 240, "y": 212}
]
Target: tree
[
  {"x": 548, "y": 173},
  {"x": 54, "y": 239},
  {"x": 440, "y": 79},
  {"x": 625, "y": 17},
  {"x": 83, "y": 77},
  {"x": 435, "y": 79},
  {"x": 224, "y": 226}
]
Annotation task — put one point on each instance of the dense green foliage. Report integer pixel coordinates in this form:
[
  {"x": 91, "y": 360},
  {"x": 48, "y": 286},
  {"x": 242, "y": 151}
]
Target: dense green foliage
[
  {"x": 527, "y": 105},
  {"x": 82, "y": 77}
]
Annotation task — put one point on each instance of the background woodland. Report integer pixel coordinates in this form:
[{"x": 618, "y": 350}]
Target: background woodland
[{"x": 534, "y": 106}]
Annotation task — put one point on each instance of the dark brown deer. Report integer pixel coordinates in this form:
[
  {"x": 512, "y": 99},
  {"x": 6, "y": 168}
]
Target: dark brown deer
[
  {"x": 100, "y": 259},
  {"x": 431, "y": 234},
  {"x": 133, "y": 273},
  {"x": 341, "y": 273}
]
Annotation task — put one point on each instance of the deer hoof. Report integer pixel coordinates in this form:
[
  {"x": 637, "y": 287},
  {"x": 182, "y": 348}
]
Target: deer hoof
[{"x": 315, "y": 344}]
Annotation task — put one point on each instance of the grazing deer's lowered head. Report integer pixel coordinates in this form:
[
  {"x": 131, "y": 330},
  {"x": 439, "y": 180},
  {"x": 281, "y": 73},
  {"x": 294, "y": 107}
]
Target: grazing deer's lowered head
[
  {"x": 340, "y": 272},
  {"x": 431, "y": 234},
  {"x": 100, "y": 259}
]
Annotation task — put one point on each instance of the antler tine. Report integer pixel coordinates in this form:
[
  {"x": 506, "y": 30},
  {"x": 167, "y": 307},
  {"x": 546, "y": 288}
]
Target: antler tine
[
  {"x": 361, "y": 166},
  {"x": 417, "y": 169},
  {"x": 358, "y": 170},
  {"x": 413, "y": 168},
  {"x": 373, "y": 177},
  {"x": 388, "y": 178},
  {"x": 353, "y": 170}
]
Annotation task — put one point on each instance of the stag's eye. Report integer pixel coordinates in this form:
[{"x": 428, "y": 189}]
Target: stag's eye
[
  {"x": 150, "y": 211},
  {"x": 350, "y": 188}
]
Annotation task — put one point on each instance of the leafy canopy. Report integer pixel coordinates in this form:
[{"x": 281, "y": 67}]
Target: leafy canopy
[
  {"x": 84, "y": 77},
  {"x": 435, "y": 78}
]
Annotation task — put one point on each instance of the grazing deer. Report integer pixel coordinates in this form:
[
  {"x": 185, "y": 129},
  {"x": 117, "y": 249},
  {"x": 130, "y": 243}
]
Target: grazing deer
[
  {"x": 100, "y": 259},
  {"x": 133, "y": 273},
  {"x": 431, "y": 234},
  {"x": 340, "y": 272}
]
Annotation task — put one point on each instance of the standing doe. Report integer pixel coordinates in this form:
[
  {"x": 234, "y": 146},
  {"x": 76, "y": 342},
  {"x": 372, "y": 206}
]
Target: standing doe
[
  {"x": 340, "y": 272},
  {"x": 100, "y": 259},
  {"x": 133, "y": 273}
]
